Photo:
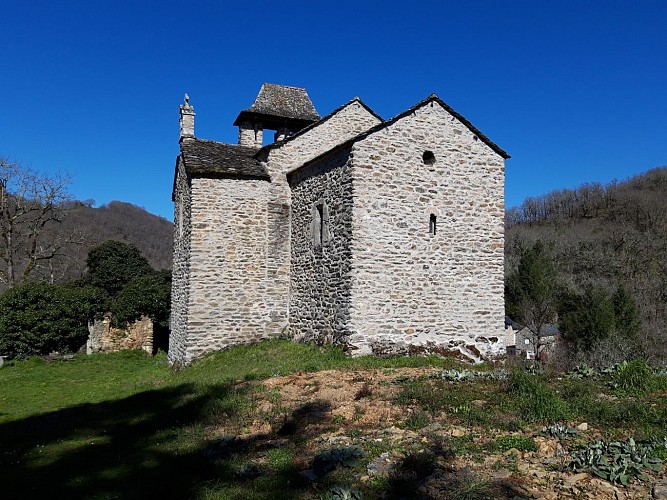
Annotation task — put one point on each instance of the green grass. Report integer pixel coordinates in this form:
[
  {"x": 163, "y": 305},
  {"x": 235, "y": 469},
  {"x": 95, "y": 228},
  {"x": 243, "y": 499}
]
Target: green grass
[{"x": 126, "y": 426}]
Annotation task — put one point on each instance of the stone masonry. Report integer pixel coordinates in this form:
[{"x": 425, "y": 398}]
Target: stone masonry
[
  {"x": 380, "y": 236},
  {"x": 105, "y": 338}
]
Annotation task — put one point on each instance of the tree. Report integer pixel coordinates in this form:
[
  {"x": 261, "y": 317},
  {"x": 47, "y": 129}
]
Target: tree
[
  {"x": 113, "y": 264},
  {"x": 147, "y": 295},
  {"x": 29, "y": 204},
  {"x": 531, "y": 292},
  {"x": 625, "y": 312},
  {"x": 587, "y": 318}
]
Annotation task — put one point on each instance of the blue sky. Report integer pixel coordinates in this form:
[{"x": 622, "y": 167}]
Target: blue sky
[{"x": 575, "y": 91}]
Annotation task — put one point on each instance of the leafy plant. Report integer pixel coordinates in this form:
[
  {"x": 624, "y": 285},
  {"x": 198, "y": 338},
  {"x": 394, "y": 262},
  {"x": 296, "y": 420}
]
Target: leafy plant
[
  {"x": 582, "y": 372},
  {"x": 113, "y": 264},
  {"x": 521, "y": 443},
  {"x": 560, "y": 431},
  {"x": 469, "y": 375},
  {"x": 537, "y": 401},
  {"x": 417, "y": 420},
  {"x": 342, "y": 492},
  {"x": 345, "y": 456},
  {"x": 617, "y": 461},
  {"x": 634, "y": 377},
  {"x": 39, "y": 318},
  {"x": 148, "y": 295}
]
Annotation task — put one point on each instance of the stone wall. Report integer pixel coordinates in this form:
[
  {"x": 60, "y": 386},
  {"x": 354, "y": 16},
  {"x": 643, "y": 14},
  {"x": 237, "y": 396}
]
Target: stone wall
[
  {"x": 227, "y": 303},
  {"x": 321, "y": 259},
  {"x": 105, "y": 338},
  {"x": 342, "y": 125},
  {"x": 181, "y": 266},
  {"x": 414, "y": 291}
]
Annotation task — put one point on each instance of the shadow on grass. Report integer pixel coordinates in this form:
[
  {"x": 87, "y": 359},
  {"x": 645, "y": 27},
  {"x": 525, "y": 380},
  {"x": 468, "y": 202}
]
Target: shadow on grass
[
  {"x": 153, "y": 444},
  {"x": 128, "y": 448}
]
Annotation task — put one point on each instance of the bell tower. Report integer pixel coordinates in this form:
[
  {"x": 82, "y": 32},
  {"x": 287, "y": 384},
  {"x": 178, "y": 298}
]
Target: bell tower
[{"x": 277, "y": 107}]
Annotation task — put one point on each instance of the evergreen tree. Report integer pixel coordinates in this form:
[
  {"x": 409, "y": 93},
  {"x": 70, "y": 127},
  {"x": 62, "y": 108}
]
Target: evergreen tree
[
  {"x": 625, "y": 312},
  {"x": 587, "y": 318},
  {"x": 531, "y": 291}
]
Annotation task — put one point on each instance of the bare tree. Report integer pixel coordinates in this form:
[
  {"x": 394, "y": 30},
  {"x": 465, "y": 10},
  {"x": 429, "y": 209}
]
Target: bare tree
[{"x": 30, "y": 205}]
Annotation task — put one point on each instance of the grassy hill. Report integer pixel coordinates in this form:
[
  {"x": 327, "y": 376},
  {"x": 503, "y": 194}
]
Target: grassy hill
[{"x": 281, "y": 420}]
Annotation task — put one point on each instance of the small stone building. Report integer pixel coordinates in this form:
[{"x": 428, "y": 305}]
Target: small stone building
[{"x": 382, "y": 236}]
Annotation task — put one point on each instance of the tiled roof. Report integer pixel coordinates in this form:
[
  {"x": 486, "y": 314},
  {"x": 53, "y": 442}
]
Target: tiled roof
[{"x": 210, "y": 158}]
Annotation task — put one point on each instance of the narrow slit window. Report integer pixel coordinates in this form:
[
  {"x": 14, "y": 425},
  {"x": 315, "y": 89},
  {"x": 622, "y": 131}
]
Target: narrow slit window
[
  {"x": 432, "y": 224},
  {"x": 320, "y": 219},
  {"x": 317, "y": 225}
]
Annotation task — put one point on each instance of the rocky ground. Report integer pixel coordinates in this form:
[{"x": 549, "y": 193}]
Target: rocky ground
[{"x": 309, "y": 412}]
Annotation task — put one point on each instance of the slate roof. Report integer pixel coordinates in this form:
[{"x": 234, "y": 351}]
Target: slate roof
[
  {"x": 279, "y": 103},
  {"x": 450, "y": 110},
  {"x": 215, "y": 159},
  {"x": 387, "y": 123}
]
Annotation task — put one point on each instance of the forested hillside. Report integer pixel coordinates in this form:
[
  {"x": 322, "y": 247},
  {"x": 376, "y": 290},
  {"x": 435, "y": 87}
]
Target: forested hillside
[
  {"x": 600, "y": 238},
  {"x": 83, "y": 227}
]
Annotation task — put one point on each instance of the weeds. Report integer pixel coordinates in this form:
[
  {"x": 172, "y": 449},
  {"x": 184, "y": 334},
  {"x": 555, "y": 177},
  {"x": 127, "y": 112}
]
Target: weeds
[
  {"x": 633, "y": 378},
  {"x": 521, "y": 443},
  {"x": 417, "y": 420},
  {"x": 537, "y": 402}
]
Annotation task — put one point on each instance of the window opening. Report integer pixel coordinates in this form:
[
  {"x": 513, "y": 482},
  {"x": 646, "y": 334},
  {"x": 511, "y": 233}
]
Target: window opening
[
  {"x": 428, "y": 157},
  {"x": 432, "y": 224},
  {"x": 318, "y": 224}
]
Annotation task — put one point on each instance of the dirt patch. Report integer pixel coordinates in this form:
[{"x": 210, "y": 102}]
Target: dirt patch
[{"x": 311, "y": 412}]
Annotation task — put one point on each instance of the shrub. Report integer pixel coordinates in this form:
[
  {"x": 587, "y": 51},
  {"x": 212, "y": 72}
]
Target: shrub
[
  {"x": 148, "y": 295},
  {"x": 39, "y": 318}
]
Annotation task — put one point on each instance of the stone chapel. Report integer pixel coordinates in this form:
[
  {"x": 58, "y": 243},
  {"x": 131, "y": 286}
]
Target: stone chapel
[{"x": 381, "y": 236}]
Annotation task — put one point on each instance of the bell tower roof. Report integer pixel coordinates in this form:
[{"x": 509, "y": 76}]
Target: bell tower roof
[{"x": 280, "y": 106}]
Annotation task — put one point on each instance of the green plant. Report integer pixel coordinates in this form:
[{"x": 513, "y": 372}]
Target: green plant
[
  {"x": 328, "y": 460},
  {"x": 39, "y": 318},
  {"x": 618, "y": 461},
  {"x": 113, "y": 264},
  {"x": 469, "y": 375},
  {"x": 560, "y": 431},
  {"x": 342, "y": 492},
  {"x": 279, "y": 459},
  {"x": 537, "y": 402},
  {"x": 582, "y": 372},
  {"x": 417, "y": 420},
  {"x": 521, "y": 443},
  {"x": 634, "y": 377},
  {"x": 146, "y": 295}
]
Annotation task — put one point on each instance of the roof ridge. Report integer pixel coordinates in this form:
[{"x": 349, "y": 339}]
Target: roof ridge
[
  {"x": 320, "y": 121},
  {"x": 391, "y": 121},
  {"x": 449, "y": 109}
]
